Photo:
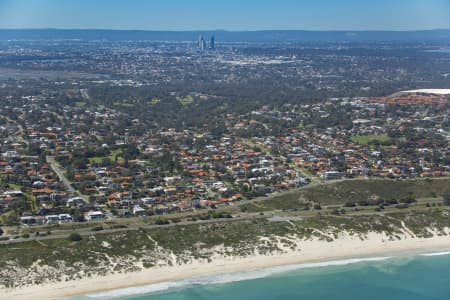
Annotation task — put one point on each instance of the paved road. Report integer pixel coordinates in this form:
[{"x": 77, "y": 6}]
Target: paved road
[
  {"x": 270, "y": 216},
  {"x": 60, "y": 173},
  {"x": 243, "y": 216},
  {"x": 19, "y": 135},
  {"x": 88, "y": 231}
]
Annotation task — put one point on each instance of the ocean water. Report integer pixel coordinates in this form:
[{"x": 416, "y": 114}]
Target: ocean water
[
  {"x": 443, "y": 50},
  {"x": 407, "y": 277}
]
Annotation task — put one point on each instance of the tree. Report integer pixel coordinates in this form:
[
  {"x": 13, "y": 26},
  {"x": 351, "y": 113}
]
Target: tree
[
  {"x": 106, "y": 162},
  {"x": 447, "y": 199},
  {"x": 80, "y": 163}
]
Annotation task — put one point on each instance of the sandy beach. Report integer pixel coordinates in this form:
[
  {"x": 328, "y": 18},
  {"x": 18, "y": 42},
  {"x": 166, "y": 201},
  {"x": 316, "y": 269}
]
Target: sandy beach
[{"x": 345, "y": 246}]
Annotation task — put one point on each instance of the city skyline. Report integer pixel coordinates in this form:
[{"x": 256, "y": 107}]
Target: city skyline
[{"x": 232, "y": 15}]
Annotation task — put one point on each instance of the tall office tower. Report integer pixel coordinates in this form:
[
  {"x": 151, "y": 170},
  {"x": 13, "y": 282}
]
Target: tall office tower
[
  {"x": 202, "y": 44},
  {"x": 199, "y": 41},
  {"x": 213, "y": 42}
]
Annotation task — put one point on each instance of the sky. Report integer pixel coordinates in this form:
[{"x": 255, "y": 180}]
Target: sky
[{"x": 226, "y": 14}]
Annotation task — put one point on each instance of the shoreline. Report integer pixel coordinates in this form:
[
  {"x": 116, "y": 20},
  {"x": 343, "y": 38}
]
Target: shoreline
[{"x": 310, "y": 251}]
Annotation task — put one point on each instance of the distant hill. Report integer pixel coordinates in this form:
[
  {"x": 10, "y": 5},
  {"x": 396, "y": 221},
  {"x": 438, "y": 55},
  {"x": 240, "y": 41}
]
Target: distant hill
[{"x": 268, "y": 36}]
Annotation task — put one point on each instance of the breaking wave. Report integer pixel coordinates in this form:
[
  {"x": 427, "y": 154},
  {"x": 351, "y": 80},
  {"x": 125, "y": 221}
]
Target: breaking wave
[
  {"x": 225, "y": 278},
  {"x": 436, "y": 253}
]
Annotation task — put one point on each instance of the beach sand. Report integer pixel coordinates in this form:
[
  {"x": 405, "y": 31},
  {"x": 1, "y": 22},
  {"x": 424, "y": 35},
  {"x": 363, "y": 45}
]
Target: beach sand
[{"x": 346, "y": 246}]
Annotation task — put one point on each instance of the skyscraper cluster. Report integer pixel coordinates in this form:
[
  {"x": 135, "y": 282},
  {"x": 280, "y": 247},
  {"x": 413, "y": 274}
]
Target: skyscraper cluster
[{"x": 202, "y": 45}]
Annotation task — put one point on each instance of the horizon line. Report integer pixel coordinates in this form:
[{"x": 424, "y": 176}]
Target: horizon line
[{"x": 228, "y": 30}]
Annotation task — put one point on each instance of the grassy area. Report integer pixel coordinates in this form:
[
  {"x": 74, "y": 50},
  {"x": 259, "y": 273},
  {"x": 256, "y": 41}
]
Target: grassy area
[
  {"x": 31, "y": 200},
  {"x": 123, "y": 104},
  {"x": 285, "y": 201},
  {"x": 305, "y": 171},
  {"x": 357, "y": 190},
  {"x": 7, "y": 215},
  {"x": 80, "y": 104},
  {"x": 361, "y": 190},
  {"x": 112, "y": 157},
  {"x": 154, "y": 101},
  {"x": 186, "y": 100},
  {"x": 256, "y": 145},
  {"x": 366, "y": 139},
  {"x": 15, "y": 186}
]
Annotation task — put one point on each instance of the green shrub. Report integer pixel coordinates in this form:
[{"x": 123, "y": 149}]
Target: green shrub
[
  {"x": 402, "y": 205},
  {"x": 118, "y": 226},
  {"x": 97, "y": 228},
  {"x": 447, "y": 199},
  {"x": 75, "y": 237},
  {"x": 162, "y": 222}
]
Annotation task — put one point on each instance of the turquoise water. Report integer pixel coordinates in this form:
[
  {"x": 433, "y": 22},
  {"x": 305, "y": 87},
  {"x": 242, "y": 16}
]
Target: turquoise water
[{"x": 408, "y": 277}]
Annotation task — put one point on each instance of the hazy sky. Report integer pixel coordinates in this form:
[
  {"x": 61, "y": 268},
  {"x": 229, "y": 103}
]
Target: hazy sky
[{"x": 227, "y": 14}]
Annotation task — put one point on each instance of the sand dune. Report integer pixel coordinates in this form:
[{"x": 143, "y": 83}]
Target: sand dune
[{"x": 315, "y": 250}]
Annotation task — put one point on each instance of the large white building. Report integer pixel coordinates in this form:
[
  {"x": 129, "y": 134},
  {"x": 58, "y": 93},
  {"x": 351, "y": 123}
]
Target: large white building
[{"x": 429, "y": 91}]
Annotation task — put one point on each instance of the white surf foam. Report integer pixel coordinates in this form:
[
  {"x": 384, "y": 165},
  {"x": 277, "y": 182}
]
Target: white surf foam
[
  {"x": 227, "y": 278},
  {"x": 147, "y": 289},
  {"x": 436, "y": 253}
]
